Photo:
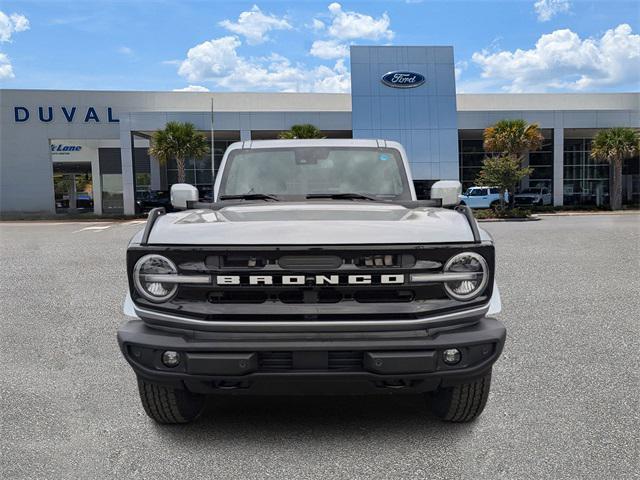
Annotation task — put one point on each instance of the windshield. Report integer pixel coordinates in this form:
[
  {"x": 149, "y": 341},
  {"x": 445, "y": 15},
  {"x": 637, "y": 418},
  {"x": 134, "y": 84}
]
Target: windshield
[
  {"x": 476, "y": 192},
  {"x": 290, "y": 173}
]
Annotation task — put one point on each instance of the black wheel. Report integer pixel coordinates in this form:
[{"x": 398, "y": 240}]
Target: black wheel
[
  {"x": 462, "y": 203},
  {"x": 462, "y": 403},
  {"x": 169, "y": 405},
  {"x": 494, "y": 205}
]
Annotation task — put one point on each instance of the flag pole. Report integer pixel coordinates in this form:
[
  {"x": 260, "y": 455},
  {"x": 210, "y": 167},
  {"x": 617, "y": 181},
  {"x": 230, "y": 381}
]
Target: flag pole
[{"x": 213, "y": 157}]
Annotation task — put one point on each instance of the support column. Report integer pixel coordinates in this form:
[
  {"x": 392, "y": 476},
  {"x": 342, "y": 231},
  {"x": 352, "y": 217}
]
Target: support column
[
  {"x": 96, "y": 181},
  {"x": 558, "y": 165},
  {"x": 126, "y": 156}
]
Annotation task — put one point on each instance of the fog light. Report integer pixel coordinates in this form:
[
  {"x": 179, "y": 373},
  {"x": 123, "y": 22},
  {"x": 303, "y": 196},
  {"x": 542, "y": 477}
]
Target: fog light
[
  {"x": 170, "y": 358},
  {"x": 451, "y": 356}
]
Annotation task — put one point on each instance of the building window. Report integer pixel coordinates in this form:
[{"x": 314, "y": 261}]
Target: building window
[
  {"x": 542, "y": 163},
  {"x": 198, "y": 172},
  {"x": 472, "y": 155},
  {"x": 586, "y": 181}
]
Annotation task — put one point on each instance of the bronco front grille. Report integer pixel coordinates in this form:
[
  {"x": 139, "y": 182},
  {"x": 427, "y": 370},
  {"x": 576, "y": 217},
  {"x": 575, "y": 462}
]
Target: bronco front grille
[{"x": 316, "y": 283}]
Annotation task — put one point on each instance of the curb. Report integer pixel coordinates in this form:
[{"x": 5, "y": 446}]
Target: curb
[
  {"x": 578, "y": 214},
  {"x": 516, "y": 219}
]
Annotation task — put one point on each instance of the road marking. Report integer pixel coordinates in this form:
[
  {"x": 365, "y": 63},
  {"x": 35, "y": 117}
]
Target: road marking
[
  {"x": 94, "y": 229},
  {"x": 37, "y": 223},
  {"x": 135, "y": 222}
]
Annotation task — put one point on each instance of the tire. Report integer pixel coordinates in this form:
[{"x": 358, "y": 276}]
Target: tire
[
  {"x": 494, "y": 205},
  {"x": 462, "y": 203},
  {"x": 461, "y": 403},
  {"x": 168, "y": 405}
]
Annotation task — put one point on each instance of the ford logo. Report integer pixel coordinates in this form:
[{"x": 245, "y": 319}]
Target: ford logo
[{"x": 403, "y": 79}]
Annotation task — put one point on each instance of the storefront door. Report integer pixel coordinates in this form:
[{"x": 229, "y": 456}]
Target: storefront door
[{"x": 73, "y": 187}]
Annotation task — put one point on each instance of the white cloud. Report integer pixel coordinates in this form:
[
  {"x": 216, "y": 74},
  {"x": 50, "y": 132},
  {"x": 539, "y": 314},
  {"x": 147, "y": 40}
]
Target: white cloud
[
  {"x": 331, "y": 80},
  {"x": 561, "y": 60},
  {"x": 210, "y": 59},
  {"x": 10, "y": 24},
  {"x": 547, "y": 9},
  {"x": 6, "y": 70},
  {"x": 329, "y": 49},
  {"x": 347, "y": 25},
  {"x": 192, "y": 88},
  {"x": 125, "y": 50},
  {"x": 460, "y": 67},
  {"x": 254, "y": 25},
  {"x": 317, "y": 25},
  {"x": 217, "y": 61}
]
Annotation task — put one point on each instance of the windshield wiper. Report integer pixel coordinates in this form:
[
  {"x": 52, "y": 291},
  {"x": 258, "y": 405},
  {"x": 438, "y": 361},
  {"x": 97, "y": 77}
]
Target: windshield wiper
[
  {"x": 250, "y": 196},
  {"x": 347, "y": 196}
]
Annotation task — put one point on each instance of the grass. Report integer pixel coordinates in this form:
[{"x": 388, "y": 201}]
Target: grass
[{"x": 507, "y": 213}]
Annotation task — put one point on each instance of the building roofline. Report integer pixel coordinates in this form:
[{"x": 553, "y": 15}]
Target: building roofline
[
  {"x": 341, "y": 102},
  {"x": 547, "y": 101}
]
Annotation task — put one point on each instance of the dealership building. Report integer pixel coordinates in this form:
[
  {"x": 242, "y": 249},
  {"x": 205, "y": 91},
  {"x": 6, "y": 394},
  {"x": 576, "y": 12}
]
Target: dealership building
[{"x": 86, "y": 151}]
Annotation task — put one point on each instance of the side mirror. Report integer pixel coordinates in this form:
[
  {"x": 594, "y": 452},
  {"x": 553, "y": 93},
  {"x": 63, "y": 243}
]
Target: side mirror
[
  {"x": 448, "y": 191},
  {"x": 181, "y": 193}
]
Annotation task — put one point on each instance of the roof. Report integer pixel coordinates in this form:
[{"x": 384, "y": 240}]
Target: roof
[{"x": 547, "y": 101}]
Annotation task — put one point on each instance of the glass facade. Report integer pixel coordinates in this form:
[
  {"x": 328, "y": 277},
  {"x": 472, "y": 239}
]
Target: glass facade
[
  {"x": 73, "y": 187},
  {"x": 542, "y": 163},
  {"x": 472, "y": 154},
  {"x": 198, "y": 172},
  {"x": 586, "y": 181}
]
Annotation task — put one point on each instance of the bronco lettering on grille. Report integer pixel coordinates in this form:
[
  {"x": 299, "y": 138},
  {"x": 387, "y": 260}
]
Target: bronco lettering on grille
[{"x": 311, "y": 279}]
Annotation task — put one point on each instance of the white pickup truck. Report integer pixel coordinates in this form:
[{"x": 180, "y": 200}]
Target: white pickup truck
[
  {"x": 482, "y": 197},
  {"x": 314, "y": 270}
]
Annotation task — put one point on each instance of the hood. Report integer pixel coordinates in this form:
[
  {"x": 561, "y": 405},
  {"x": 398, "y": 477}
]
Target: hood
[{"x": 321, "y": 223}]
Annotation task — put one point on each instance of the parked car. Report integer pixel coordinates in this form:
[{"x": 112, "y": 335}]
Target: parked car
[
  {"x": 533, "y": 196},
  {"x": 482, "y": 197},
  {"x": 314, "y": 270},
  {"x": 84, "y": 200},
  {"x": 146, "y": 201}
]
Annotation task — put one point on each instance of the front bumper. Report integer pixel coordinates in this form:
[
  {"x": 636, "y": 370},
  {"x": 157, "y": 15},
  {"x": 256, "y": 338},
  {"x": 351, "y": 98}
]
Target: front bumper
[{"x": 320, "y": 362}]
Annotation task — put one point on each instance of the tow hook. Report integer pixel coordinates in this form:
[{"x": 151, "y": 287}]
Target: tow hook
[{"x": 395, "y": 384}]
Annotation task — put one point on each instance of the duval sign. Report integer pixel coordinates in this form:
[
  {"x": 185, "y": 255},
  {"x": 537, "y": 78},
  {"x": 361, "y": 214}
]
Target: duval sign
[
  {"x": 401, "y": 79},
  {"x": 69, "y": 114}
]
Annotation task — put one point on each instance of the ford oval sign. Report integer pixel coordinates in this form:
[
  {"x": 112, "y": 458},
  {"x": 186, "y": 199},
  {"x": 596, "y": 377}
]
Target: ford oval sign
[{"x": 403, "y": 79}]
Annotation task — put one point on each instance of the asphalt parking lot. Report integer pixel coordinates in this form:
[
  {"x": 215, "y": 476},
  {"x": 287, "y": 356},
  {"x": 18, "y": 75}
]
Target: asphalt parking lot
[{"x": 564, "y": 400}]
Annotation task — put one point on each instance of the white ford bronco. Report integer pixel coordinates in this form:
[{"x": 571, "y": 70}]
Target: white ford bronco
[{"x": 315, "y": 270}]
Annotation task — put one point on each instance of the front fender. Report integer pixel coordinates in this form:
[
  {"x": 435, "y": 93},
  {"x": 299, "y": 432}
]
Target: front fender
[
  {"x": 128, "y": 307},
  {"x": 495, "y": 303}
]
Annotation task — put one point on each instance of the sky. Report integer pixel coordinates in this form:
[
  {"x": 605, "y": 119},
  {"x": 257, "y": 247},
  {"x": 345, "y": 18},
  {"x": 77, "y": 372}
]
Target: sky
[{"x": 508, "y": 46}]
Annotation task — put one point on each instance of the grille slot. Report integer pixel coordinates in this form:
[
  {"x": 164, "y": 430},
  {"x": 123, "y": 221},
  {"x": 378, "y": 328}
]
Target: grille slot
[
  {"x": 345, "y": 360},
  {"x": 275, "y": 361},
  {"x": 310, "y": 262},
  {"x": 384, "y": 296},
  {"x": 282, "y": 361},
  {"x": 238, "y": 296}
]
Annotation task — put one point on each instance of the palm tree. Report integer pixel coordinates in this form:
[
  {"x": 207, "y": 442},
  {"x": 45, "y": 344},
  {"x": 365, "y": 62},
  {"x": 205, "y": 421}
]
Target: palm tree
[
  {"x": 614, "y": 146},
  {"x": 305, "y": 130},
  {"x": 513, "y": 139},
  {"x": 180, "y": 141}
]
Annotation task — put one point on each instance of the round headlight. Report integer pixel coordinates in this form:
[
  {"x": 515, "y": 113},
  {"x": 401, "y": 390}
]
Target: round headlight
[
  {"x": 143, "y": 272},
  {"x": 471, "y": 263}
]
